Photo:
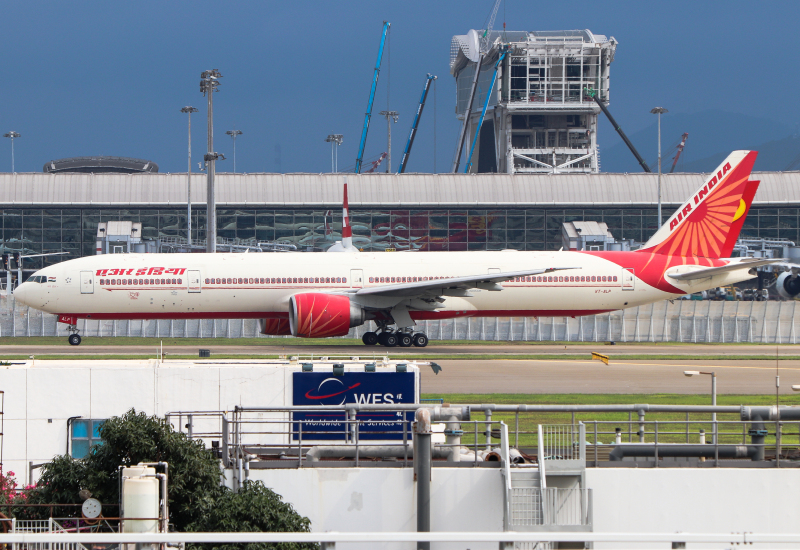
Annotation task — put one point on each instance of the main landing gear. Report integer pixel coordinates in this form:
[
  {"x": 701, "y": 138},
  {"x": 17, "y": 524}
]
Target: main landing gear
[
  {"x": 74, "y": 338},
  {"x": 390, "y": 338}
]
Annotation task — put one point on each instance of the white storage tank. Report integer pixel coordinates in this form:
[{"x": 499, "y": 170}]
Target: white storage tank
[{"x": 140, "y": 499}]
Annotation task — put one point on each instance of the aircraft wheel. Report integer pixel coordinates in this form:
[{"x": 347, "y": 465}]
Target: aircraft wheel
[
  {"x": 389, "y": 340},
  {"x": 404, "y": 340},
  {"x": 420, "y": 340},
  {"x": 369, "y": 339},
  {"x": 74, "y": 340}
]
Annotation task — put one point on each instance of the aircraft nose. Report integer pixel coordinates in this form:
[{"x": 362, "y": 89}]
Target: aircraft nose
[{"x": 21, "y": 292}]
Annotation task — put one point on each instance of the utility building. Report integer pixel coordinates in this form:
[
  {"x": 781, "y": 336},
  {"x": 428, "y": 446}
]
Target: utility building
[{"x": 540, "y": 118}]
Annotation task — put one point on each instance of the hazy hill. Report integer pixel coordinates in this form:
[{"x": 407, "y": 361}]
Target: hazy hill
[
  {"x": 712, "y": 135},
  {"x": 781, "y": 154}
]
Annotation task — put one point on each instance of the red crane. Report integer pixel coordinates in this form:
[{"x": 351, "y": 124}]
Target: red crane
[{"x": 681, "y": 145}]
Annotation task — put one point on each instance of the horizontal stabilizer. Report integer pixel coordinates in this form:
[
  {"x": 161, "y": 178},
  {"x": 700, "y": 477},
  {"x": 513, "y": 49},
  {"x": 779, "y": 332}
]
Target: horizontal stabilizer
[{"x": 733, "y": 266}]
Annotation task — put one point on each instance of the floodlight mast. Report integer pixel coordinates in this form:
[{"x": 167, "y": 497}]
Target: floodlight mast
[
  {"x": 209, "y": 83},
  {"x": 659, "y": 111},
  {"x": 189, "y": 110},
  {"x": 12, "y": 135},
  {"x": 335, "y": 140},
  {"x": 390, "y": 116},
  {"x": 234, "y": 134}
]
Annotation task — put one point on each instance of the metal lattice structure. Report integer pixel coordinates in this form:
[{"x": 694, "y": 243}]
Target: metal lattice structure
[{"x": 541, "y": 118}]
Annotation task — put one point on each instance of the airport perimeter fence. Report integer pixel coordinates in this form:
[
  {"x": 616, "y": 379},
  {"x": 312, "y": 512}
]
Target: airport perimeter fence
[{"x": 770, "y": 322}]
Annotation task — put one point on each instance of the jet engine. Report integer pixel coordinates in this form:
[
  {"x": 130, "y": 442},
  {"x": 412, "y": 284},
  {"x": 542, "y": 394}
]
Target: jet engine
[
  {"x": 274, "y": 327},
  {"x": 317, "y": 315},
  {"x": 788, "y": 285}
]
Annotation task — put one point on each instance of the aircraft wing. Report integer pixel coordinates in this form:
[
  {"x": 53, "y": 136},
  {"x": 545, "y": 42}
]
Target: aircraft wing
[
  {"x": 485, "y": 281},
  {"x": 733, "y": 266}
]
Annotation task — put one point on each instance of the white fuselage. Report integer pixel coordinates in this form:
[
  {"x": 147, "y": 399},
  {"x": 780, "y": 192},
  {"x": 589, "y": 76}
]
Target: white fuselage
[{"x": 180, "y": 286}]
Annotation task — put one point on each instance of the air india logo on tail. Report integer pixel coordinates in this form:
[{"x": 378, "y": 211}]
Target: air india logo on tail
[
  {"x": 698, "y": 198},
  {"x": 701, "y": 227}
]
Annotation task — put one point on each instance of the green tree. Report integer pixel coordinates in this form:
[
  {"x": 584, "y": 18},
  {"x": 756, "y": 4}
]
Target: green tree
[
  {"x": 197, "y": 500},
  {"x": 254, "y": 508}
]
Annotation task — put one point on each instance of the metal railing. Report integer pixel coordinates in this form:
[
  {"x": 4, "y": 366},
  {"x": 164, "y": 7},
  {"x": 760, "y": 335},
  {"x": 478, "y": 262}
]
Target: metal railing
[
  {"x": 283, "y": 437},
  {"x": 329, "y": 540},
  {"x": 50, "y": 525},
  {"x": 531, "y": 506}
]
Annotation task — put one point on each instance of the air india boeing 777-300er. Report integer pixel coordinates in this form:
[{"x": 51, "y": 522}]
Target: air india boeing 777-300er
[{"x": 320, "y": 295}]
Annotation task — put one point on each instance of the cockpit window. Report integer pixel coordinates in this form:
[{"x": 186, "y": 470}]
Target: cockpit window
[{"x": 37, "y": 279}]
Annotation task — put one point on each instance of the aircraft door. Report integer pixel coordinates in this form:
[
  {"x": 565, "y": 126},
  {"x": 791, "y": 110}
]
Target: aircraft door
[
  {"x": 357, "y": 278},
  {"x": 194, "y": 280},
  {"x": 87, "y": 282},
  {"x": 628, "y": 278}
]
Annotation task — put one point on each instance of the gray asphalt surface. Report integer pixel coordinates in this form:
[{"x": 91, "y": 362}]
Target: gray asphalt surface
[
  {"x": 89, "y": 348},
  {"x": 621, "y": 376},
  {"x": 531, "y": 376}
]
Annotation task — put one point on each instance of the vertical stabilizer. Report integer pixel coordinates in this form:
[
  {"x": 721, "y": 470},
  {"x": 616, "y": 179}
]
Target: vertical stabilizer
[
  {"x": 346, "y": 244},
  {"x": 708, "y": 224}
]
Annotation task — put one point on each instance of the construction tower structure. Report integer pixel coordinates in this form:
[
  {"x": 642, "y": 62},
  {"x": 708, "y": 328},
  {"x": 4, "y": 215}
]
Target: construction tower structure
[{"x": 540, "y": 118}]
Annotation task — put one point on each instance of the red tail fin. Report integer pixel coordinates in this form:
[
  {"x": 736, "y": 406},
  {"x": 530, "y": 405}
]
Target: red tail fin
[
  {"x": 347, "y": 231},
  {"x": 708, "y": 224}
]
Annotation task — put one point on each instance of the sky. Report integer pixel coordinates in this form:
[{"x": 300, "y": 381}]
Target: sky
[{"x": 109, "y": 78}]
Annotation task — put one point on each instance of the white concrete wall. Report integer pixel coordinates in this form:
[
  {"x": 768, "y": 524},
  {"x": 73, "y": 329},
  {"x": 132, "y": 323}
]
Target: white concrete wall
[
  {"x": 694, "y": 500},
  {"x": 40, "y": 397},
  {"x": 626, "y": 500},
  {"x": 385, "y": 499}
]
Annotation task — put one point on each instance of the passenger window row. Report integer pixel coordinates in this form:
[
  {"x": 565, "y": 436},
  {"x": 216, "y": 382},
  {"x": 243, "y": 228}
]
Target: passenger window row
[
  {"x": 537, "y": 279},
  {"x": 275, "y": 280},
  {"x": 127, "y": 282},
  {"x": 567, "y": 279},
  {"x": 404, "y": 279}
]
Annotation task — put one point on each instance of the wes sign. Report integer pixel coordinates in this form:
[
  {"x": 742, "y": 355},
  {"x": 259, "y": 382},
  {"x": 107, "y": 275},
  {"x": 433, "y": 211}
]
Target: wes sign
[{"x": 322, "y": 388}]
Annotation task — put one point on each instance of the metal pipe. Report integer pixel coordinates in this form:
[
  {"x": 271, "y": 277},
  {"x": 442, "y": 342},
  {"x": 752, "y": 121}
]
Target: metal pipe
[
  {"x": 226, "y": 459},
  {"x": 440, "y": 413},
  {"x": 165, "y": 492},
  {"x": 422, "y": 463},
  {"x": 487, "y": 429},
  {"x": 452, "y": 438},
  {"x": 641, "y": 426},
  {"x": 315, "y": 454},
  {"x": 681, "y": 450}
]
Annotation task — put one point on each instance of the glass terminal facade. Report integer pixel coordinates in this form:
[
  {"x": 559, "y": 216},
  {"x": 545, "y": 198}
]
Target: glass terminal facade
[{"x": 75, "y": 230}]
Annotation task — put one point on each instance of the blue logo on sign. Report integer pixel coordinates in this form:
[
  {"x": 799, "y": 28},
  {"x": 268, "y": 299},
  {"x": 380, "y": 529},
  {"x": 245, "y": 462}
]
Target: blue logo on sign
[{"x": 318, "y": 388}]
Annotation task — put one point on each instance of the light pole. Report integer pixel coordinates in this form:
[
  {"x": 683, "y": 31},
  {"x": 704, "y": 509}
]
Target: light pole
[
  {"x": 390, "y": 116},
  {"x": 659, "y": 111},
  {"x": 335, "y": 140},
  {"x": 189, "y": 110},
  {"x": 12, "y": 135},
  {"x": 234, "y": 134},
  {"x": 713, "y": 376},
  {"x": 209, "y": 83}
]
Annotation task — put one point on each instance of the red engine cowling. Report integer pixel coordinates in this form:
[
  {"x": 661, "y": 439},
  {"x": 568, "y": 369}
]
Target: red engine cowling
[
  {"x": 317, "y": 315},
  {"x": 275, "y": 327}
]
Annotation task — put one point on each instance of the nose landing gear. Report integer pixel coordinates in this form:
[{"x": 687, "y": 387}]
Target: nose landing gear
[
  {"x": 74, "y": 338},
  {"x": 390, "y": 337}
]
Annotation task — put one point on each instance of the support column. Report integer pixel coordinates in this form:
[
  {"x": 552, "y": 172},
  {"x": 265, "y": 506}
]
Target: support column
[{"x": 422, "y": 467}]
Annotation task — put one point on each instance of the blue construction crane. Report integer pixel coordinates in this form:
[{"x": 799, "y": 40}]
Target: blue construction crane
[
  {"x": 428, "y": 79},
  {"x": 503, "y": 52},
  {"x": 361, "y": 145}
]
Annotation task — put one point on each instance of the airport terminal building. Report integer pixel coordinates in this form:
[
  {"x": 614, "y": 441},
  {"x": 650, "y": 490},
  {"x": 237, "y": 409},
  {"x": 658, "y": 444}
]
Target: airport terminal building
[{"x": 60, "y": 212}]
